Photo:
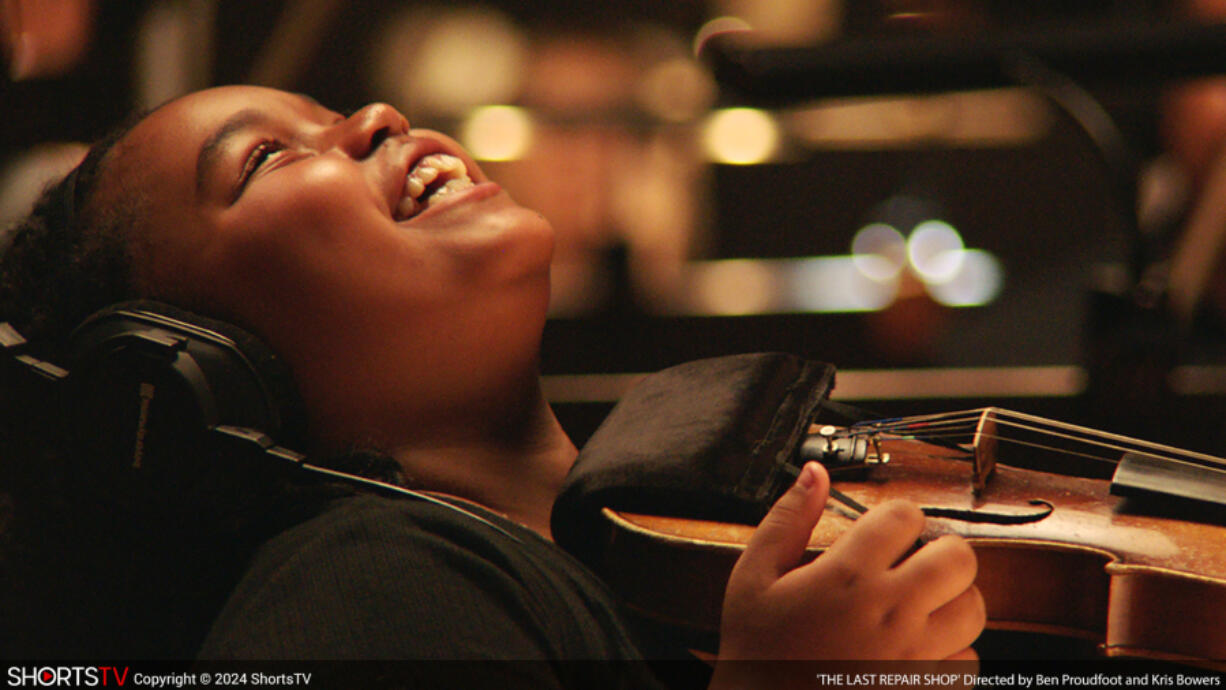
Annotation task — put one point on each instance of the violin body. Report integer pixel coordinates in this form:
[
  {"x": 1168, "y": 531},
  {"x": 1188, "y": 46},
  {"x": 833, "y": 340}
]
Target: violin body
[{"x": 1137, "y": 580}]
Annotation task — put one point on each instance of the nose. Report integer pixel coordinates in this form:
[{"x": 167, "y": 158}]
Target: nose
[{"x": 362, "y": 132}]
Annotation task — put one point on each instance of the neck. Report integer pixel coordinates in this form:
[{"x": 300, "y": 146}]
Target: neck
[{"x": 513, "y": 464}]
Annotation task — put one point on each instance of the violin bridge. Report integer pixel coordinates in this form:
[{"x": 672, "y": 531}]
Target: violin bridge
[{"x": 984, "y": 449}]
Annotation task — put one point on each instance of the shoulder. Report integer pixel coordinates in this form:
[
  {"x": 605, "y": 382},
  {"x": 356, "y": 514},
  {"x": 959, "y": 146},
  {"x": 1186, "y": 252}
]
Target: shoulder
[{"x": 372, "y": 577}]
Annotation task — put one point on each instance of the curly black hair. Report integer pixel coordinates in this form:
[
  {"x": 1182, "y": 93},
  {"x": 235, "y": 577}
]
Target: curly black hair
[{"x": 71, "y": 255}]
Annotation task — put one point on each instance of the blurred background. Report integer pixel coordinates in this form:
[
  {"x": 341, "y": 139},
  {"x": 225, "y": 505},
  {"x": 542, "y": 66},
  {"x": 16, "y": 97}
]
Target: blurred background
[{"x": 957, "y": 202}]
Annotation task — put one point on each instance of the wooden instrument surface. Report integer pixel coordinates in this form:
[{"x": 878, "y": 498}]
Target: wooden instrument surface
[{"x": 1098, "y": 567}]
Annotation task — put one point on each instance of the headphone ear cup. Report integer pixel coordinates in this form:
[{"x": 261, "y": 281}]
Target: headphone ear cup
[{"x": 148, "y": 385}]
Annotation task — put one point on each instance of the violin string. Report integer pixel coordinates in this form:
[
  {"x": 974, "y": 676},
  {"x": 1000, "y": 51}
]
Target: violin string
[
  {"x": 1066, "y": 451},
  {"x": 1117, "y": 442},
  {"x": 1014, "y": 441},
  {"x": 1047, "y": 447},
  {"x": 909, "y": 430},
  {"x": 925, "y": 430},
  {"x": 963, "y": 424},
  {"x": 955, "y": 440},
  {"x": 1057, "y": 449},
  {"x": 943, "y": 432},
  {"x": 949, "y": 429},
  {"x": 934, "y": 424},
  {"x": 1136, "y": 444},
  {"x": 933, "y": 437},
  {"x": 942, "y": 419},
  {"x": 1051, "y": 448},
  {"x": 951, "y": 425}
]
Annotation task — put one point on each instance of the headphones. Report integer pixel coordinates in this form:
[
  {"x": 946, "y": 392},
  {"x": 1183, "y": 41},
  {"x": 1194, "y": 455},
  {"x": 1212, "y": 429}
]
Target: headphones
[{"x": 162, "y": 412}]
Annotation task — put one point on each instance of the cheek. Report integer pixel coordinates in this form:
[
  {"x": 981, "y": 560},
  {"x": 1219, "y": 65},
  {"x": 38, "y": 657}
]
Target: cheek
[
  {"x": 316, "y": 194},
  {"x": 281, "y": 253},
  {"x": 310, "y": 265},
  {"x": 303, "y": 218}
]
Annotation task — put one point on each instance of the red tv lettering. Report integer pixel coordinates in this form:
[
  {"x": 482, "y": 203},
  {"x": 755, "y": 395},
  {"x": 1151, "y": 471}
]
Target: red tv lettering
[{"x": 119, "y": 679}]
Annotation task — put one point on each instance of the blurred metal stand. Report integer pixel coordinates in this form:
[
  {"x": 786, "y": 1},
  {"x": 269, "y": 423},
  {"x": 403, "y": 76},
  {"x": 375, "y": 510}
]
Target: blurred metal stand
[{"x": 1129, "y": 53}]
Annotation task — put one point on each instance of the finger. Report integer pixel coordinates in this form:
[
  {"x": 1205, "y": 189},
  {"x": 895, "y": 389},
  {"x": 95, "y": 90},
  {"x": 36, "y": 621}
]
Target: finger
[
  {"x": 879, "y": 537},
  {"x": 938, "y": 572},
  {"x": 778, "y": 544},
  {"x": 958, "y": 623}
]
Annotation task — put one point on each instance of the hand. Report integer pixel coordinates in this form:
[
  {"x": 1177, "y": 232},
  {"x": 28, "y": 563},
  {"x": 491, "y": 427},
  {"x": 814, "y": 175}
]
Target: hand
[{"x": 856, "y": 600}]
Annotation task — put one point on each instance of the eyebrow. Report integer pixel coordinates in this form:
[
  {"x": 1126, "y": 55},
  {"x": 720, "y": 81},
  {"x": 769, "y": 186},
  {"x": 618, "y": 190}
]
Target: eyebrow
[{"x": 212, "y": 148}]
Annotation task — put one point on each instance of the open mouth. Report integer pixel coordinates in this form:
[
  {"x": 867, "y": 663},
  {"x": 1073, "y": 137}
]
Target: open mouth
[{"x": 431, "y": 180}]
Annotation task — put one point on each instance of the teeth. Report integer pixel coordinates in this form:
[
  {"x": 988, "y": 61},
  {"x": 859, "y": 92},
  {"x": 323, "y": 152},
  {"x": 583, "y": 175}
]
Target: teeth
[
  {"x": 413, "y": 187},
  {"x": 452, "y": 186},
  {"x": 429, "y": 170},
  {"x": 407, "y": 208}
]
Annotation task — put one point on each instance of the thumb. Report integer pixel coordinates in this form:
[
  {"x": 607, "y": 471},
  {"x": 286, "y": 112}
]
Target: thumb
[{"x": 778, "y": 545}]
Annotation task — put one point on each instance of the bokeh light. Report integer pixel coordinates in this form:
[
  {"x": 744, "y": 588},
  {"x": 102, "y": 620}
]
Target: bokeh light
[
  {"x": 741, "y": 136},
  {"x": 425, "y": 59},
  {"x": 834, "y": 284},
  {"x": 497, "y": 132},
  {"x": 935, "y": 251},
  {"x": 978, "y": 281},
  {"x": 879, "y": 251}
]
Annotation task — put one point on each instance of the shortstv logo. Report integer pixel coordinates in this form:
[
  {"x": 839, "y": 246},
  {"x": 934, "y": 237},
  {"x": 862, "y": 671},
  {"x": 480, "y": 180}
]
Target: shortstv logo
[{"x": 67, "y": 676}]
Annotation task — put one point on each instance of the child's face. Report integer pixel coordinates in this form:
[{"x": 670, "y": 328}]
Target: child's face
[{"x": 269, "y": 209}]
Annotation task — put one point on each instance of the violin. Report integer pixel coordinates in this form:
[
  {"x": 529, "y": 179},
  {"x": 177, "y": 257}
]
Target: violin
[{"x": 1128, "y": 553}]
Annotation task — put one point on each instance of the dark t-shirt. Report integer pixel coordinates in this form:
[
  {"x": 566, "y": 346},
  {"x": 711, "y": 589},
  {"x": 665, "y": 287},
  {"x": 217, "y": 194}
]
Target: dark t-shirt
[{"x": 404, "y": 579}]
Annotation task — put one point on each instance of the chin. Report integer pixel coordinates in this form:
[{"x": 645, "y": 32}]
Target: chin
[{"x": 526, "y": 249}]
